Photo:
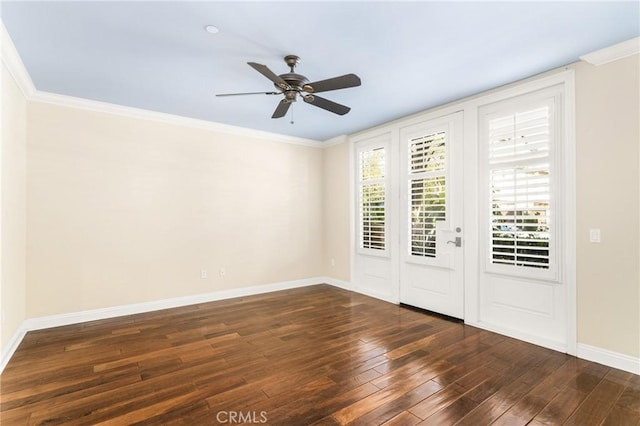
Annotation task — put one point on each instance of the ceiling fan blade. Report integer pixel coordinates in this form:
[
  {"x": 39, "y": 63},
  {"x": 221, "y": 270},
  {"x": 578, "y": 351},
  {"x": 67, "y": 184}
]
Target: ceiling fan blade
[
  {"x": 281, "y": 109},
  {"x": 342, "y": 82},
  {"x": 249, "y": 93},
  {"x": 327, "y": 104},
  {"x": 264, "y": 70}
]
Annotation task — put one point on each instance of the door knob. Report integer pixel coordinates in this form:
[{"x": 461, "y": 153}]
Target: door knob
[{"x": 457, "y": 242}]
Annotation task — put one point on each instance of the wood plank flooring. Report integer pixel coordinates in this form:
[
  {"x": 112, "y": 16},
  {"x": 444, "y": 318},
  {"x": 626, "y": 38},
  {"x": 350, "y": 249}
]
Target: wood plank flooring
[{"x": 310, "y": 356}]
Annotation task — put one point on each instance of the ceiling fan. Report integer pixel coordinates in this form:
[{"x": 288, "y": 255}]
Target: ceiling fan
[{"x": 291, "y": 85}]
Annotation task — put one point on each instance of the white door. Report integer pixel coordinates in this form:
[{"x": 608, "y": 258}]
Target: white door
[
  {"x": 522, "y": 286},
  {"x": 430, "y": 215}
]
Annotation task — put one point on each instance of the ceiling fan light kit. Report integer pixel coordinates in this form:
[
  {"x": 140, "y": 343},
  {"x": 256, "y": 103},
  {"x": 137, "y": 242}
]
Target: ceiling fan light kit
[{"x": 292, "y": 84}]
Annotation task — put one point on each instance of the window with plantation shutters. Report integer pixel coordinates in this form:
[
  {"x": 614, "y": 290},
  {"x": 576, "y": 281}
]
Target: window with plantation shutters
[
  {"x": 372, "y": 199},
  {"x": 519, "y": 144},
  {"x": 427, "y": 191}
]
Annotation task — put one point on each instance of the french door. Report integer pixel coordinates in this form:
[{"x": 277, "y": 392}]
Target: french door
[{"x": 510, "y": 266}]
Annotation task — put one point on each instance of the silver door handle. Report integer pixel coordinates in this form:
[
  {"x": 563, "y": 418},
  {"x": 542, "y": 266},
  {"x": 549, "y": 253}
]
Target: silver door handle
[{"x": 457, "y": 242}]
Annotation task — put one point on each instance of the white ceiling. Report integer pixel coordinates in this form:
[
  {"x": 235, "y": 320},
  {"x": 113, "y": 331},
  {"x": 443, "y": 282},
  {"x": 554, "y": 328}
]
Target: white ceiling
[{"x": 410, "y": 55}]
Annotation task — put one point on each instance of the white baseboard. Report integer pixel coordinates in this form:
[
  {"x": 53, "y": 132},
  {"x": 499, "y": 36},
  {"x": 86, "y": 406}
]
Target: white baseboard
[
  {"x": 374, "y": 294},
  {"x": 587, "y": 352},
  {"x": 12, "y": 346},
  {"x": 609, "y": 358},
  {"x": 525, "y": 337},
  {"x": 138, "y": 308},
  {"x": 118, "y": 311},
  {"x": 345, "y": 285}
]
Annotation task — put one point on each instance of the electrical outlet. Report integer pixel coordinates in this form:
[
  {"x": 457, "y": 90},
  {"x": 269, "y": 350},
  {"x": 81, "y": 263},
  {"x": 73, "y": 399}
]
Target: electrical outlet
[
  {"x": 223, "y": 272},
  {"x": 203, "y": 274},
  {"x": 333, "y": 262},
  {"x": 594, "y": 235}
]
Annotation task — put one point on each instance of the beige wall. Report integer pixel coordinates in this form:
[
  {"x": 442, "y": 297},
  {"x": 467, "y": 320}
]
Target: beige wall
[
  {"x": 608, "y": 139},
  {"x": 124, "y": 210},
  {"x": 336, "y": 211},
  {"x": 12, "y": 227}
]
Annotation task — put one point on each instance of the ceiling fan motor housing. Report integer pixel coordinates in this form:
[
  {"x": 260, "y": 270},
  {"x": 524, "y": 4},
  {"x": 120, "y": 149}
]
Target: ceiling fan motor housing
[
  {"x": 294, "y": 80},
  {"x": 297, "y": 82}
]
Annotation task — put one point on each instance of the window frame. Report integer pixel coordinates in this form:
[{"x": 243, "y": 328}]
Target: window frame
[
  {"x": 409, "y": 134},
  {"x": 366, "y": 146},
  {"x": 552, "y": 96}
]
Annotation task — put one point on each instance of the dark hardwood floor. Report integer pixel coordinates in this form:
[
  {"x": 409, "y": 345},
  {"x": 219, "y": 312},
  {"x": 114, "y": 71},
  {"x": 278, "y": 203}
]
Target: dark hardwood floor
[{"x": 315, "y": 355}]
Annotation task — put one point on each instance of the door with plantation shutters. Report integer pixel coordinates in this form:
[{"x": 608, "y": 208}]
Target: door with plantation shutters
[
  {"x": 431, "y": 258},
  {"x": 521, "y": 290}
]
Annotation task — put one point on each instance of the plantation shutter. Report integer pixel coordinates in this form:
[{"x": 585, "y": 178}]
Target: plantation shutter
[
  {"x": 372, "y": 198},
  {"x": 427, "y": 191},
  {"x": 520, "y": 180}
]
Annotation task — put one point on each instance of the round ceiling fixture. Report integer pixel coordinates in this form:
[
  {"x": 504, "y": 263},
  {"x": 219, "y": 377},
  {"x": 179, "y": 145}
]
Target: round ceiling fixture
[{"x": 212, "y": 29}]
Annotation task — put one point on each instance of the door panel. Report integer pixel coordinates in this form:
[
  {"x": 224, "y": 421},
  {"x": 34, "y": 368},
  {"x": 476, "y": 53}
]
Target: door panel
[
  {"x": 526, "y": 309},
  {"x": 373, "y": 276}
]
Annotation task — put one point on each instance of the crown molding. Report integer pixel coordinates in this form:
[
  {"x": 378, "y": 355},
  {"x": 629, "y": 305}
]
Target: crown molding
[
  {"x": 337, "y": 140},
  {"x": 613, "y": 53},
  {"x": 143, "y": 114},
  {"x": 12, "y": 61}
]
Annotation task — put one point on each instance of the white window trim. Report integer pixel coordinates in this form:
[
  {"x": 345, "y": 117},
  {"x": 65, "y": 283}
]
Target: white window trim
[
  {"x": 567, "y": 193},
  {"x": 407, "y": 133},
  {"x": 381, "y": 141},
  {"x": 553, "y": 95}
]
